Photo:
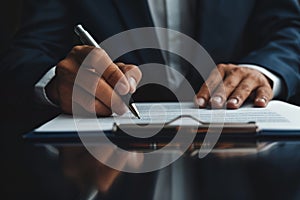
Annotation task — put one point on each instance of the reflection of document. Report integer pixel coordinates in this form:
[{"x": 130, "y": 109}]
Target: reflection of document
[{"x": 278, "y": 116}]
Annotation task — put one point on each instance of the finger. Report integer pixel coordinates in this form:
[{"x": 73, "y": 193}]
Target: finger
[
  {"x": 133, "y": 75},
  {"x": 241, "y": 93},
  {"x": 105, "y": 177},
  {"x": 89, "y": 103},
  {"x": 209, "y": 86},
  {"x": 79, "y": 53},
  {"x": 117, "y": 79},
  {"x": 105, "y": 151},
  {"x": 103, "y": 65},
  {"x": 110, "y": 98},
  {"x": 263, "y": 95},
  {"x": 87, "y": 80},
  {"x": 101, "y": 90},
  {"x": 223, "y": 91},
  {"x": 66, "y": 67}
]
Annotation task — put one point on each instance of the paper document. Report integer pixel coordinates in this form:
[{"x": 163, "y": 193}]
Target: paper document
[{"x": 277, "y": 116}]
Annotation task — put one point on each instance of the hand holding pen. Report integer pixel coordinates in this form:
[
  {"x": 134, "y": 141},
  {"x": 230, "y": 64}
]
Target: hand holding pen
[{"x": 105, "y": 94}]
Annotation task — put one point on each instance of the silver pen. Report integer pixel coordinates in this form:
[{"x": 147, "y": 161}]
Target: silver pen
[{"x": 87, "y": 39}]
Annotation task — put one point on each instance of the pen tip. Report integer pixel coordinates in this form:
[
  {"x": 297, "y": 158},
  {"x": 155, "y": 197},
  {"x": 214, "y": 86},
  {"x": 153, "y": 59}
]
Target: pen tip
[{"x": 134, "y": 110}]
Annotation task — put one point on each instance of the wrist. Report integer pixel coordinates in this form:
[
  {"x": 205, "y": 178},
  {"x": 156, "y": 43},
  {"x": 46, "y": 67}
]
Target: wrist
[{"x": 52, "y": 92}]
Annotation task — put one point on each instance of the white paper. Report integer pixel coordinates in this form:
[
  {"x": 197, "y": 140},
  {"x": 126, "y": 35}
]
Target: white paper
[{"x": 277, "y": 116}]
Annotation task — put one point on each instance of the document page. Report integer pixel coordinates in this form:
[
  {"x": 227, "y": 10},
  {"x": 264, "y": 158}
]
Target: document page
[{"x": 277, "y": 116}]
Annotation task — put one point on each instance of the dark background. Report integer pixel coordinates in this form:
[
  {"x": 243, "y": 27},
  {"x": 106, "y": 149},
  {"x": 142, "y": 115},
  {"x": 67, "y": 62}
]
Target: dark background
[
  {"x": 10, "y": 13},
  {"x": 18, "y": 178},
  {"x": 26, "y": 172}
]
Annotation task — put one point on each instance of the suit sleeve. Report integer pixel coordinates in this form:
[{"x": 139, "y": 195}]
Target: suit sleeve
[
  {"x": 44, "y": 37},
  {"x": 275, "y": 31}
]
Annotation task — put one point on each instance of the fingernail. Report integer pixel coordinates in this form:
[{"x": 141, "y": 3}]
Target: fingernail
[
  {"x": 122, "y": 88},
  {"x": 217, "y": 99},
  {"x": 233, "y": 101},
  {"x": 262, "y": 100},
  {"x": 132, "y": 83},
  {"x": 200, "y": 102}
]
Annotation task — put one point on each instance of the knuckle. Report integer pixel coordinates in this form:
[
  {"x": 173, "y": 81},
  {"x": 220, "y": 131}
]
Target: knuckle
[
  {"x": 245, "y": 88},
  {"x": 221, "y": 66},
  {"x": 219, "y": 69},
  {"x": 63, "y": 63},
  {"x": 62, "y": 67},
  {"x": 254, "y": 76},
  {"x": 67, "y": 67},
  {"x": 60, "y": 70},
  {"x": 239, "y": 70},
  {"x": 80, "y": 52},
  {"x": 232, "y": 65},
  {"x": 254, "y": 73},
  {"x": 120, "y": 64},
  {"x": 230, "y": 84},
  {"x": 132, "y": 67},
  {"x": 76, "y": 49},
  {"x": 257, "y": 78},
  {"x": 113, "y": 75},
  {"x": 134, "y": 71},
  {"x": 263, "y": 80},
  {"x": 125, "y": 68}
]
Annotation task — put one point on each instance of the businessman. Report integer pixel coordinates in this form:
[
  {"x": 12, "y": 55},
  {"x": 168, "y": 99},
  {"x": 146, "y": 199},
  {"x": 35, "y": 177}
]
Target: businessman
[{"x": 254, "y": 42}]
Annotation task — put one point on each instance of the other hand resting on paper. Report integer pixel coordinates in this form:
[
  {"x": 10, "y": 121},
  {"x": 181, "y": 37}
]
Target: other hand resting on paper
[
  {"x": 98, "y": 85},
  {"x": 239, "y": 84}
]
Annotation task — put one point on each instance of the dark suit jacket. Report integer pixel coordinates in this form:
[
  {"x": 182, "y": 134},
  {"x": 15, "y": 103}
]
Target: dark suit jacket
[{"x": 261, "y": 32}]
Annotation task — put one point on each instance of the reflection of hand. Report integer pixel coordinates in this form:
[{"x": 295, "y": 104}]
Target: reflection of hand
[
  {"x": 239, "y": 84},
  {"x": 87, "y": 172},
  {"x": 124, "y": 78}
]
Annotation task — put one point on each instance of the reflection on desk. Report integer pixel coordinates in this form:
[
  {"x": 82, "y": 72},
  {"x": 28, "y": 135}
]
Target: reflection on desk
[{"x": 232, "y": 170}]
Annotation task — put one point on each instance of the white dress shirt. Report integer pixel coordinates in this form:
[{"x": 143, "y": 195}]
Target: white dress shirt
[{"x": 176, "y": 15}]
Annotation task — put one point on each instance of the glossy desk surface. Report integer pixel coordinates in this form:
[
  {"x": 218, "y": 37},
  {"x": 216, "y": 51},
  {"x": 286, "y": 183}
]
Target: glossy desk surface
[
  {"x": 244, "y": 170},
  {"x": 231, "y": 171}
]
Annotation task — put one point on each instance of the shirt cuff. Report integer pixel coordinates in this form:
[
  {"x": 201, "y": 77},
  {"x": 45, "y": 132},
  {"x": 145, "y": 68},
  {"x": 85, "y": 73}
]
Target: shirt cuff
[
  {"x": 277, "y": 82},
  {"x": 40, "y": 92}
]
